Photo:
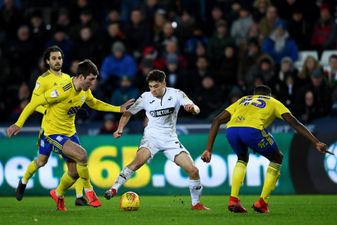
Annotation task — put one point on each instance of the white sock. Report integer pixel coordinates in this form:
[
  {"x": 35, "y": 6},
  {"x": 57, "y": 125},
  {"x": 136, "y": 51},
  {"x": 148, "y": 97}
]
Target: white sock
[
  {"x": 195, "y": 190},
  {"x": 125, "y": 174},
  {"x": 79, "y": 196}
]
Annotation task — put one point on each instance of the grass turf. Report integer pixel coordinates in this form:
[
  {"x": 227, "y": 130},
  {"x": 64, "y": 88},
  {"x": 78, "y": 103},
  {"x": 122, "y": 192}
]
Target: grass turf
[{"x": 162, "y": 210}]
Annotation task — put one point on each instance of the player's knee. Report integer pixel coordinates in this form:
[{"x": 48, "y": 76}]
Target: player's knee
[
  {"x": 41, "y": 162},
  {"x": 194, "y": 172},
  {"x": 73, "y": 174},
  {"x": 82, "y": 159}
]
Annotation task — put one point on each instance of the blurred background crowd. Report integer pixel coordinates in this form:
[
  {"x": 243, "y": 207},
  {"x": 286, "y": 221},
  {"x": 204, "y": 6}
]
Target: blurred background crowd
[{"x": 214, "y": 50}]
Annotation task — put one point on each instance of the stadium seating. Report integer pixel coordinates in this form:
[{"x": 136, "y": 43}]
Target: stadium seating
[{"x": 324, "y": 61}]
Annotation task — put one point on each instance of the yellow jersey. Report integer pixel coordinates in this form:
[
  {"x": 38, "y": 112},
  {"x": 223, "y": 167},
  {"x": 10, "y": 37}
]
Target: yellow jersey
[
  {"x": 45, "y": 82},
  {"x": 63, "y": 103},
  {"x": 256, "y": 111}
]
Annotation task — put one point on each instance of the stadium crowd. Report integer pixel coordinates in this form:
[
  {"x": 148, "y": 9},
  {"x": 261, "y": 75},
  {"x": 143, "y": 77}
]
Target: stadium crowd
[{"x": 214, "y": 50}]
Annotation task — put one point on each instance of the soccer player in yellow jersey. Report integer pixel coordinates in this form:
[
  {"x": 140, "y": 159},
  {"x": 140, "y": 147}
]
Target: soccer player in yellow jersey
[
  {"x": 247, "y": 120},
  {"x": 59, "y": 132},
  {"x": 53, "y": 58}
]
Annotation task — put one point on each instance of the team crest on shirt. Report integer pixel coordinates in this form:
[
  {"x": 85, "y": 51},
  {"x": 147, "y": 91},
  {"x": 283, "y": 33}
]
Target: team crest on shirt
[{"x": 54, "y": 94}]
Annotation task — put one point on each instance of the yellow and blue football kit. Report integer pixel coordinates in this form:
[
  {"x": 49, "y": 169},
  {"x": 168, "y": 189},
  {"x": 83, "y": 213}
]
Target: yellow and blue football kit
[
  {"x": 63, "y": 102},
  {"x": 250, "y": 116}
]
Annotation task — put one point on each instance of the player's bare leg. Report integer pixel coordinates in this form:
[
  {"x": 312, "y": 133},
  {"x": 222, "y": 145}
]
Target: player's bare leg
[
  {"x": 79, "y": 155},
  {"x": 142, "y": 155},
  {"x": 185, "y": 161}
]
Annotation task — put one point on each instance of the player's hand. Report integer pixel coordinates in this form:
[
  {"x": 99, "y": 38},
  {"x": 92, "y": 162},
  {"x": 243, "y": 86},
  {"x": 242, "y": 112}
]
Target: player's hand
[
  {"x": 125, "y": 106},
  {"x": 194, "y": 109},
  {"x": 117, "y": 134},
  {"x": 13, "y": 130},
  {"x": 321, "y": 147},
  {"x": 206, "y": 156}
]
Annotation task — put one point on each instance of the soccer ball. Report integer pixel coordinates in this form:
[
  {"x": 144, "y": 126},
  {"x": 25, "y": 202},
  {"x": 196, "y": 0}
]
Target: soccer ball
[{"x": 130, "y": 201}]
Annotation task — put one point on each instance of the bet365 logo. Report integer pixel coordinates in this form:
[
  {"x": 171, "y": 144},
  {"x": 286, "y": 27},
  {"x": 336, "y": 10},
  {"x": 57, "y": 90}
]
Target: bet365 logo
[{"x": 330, "y": 163}]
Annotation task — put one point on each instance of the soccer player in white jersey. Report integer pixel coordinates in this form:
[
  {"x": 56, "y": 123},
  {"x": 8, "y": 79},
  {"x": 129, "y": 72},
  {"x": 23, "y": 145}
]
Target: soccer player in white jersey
[{"x": 161, "y": 105}]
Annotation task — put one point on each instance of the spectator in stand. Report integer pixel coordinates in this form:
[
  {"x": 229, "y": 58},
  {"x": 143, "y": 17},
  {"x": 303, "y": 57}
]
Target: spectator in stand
[
  {"x": 325, "y": 31},
  {"x": 308, "y": 108},
  {"x": 10, "y": 19},
  {"x": 309, "y": 65},
  {"x": 209, "y": 97},
  {"x": 63, "y": 20},
  {"x": 86, "y": 19},
  {"x": 167, "y": 36},
  {"x": 240, "y": 26},
  {"x": 268, "y": 22},
  {"x": 248, "y": 60},
  {"x": 109, "y": 124},
  {"x": 21, "y": 101},
  {"x": 260, "y": 9},
  {"x": 286, "y": 69},
  {"x": 137, "y": 33},
  {"x": 216, "y": 16},
  {"x": 125, "y": 90},
  {"x": 86, "y": 46},
  {"x": 193, "y": 78},
  {"x": 279, "y": 44},
  {"x": 220, "y": 40},
  {"x": 61, "y": 39},
  {"x": 145, "y": 67},
  {"x": 21, "y": 54},
  {"x": 118, "y": 63},
  {"x": 173, "y": 72},
  {"x": 331, "y": 72},
  {"x": 158, "y": 24},
  {"x": 322, "y": 92},
  {"x": 185, "y": 24},
  {"x": 149, "y": 9},
  {"x": 39, "y": 33},
  {"x": 227, "y": 71},
  {"x": 262, "y": 73},
  {"x": 299, "y": 29},
  {"x": 112, "y": 34},
  {"x": 190, "y": 45}
]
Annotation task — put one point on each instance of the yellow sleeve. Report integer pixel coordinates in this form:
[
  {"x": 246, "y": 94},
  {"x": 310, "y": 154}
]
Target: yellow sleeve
[
  {"x": 29, "y": 109},
  {"x": 99, "y": 105},
  {"x": 280, "y": 109},
  {"x": 41, "y": 109},
  {"x": 40, "y": 88},
  {"x": 231, "y": 109}
]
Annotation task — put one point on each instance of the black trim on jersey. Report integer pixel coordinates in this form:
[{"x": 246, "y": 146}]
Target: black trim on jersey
[
  {"x": 67, "y": 87},
  {"x": 161, "y": 100},
  {"x": 162, "y": 112}
]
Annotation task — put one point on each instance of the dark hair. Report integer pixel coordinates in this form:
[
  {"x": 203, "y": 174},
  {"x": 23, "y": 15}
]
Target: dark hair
[
  {"x": 86, "y": 67},
  {"x": 262, "y": 90},
  {"x": 155, "y": 75},
  {"x": 54, "y": 48},
  {"x": 333, "y": 56}
]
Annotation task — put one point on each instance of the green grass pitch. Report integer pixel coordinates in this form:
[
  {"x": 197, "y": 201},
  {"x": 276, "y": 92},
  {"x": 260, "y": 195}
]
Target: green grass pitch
[{"x": 170, "y": 210}]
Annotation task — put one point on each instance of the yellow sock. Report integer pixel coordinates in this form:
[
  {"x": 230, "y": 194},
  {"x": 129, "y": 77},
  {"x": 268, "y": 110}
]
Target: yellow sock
[
  {"x": 238, "y": 176},
  {"x": 31, "y": 169},
  {"x": 65, "y": 182},
  {"x": 83, "y": 172},
  {"x": 273, "y": 173},
  {"x": 78, "y": 188}
]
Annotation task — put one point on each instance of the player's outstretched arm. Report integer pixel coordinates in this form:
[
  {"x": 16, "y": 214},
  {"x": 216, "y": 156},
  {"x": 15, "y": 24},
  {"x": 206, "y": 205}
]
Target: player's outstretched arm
[
  {"x": 126, "y": 105},
  {"x": 223, "y": 117},
  {"x": 122, "y": 123},
  {"x": 301, "y": 129}
]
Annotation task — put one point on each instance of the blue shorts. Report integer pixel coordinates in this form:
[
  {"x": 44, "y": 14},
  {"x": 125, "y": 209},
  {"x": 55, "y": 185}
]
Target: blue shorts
[
  {"x": 242, "y": 138},
  {"x": 55, "y": 143}
]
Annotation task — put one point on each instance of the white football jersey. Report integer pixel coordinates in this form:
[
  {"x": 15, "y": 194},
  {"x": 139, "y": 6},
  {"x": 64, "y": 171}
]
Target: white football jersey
[{"x": 161, "y": 112}]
